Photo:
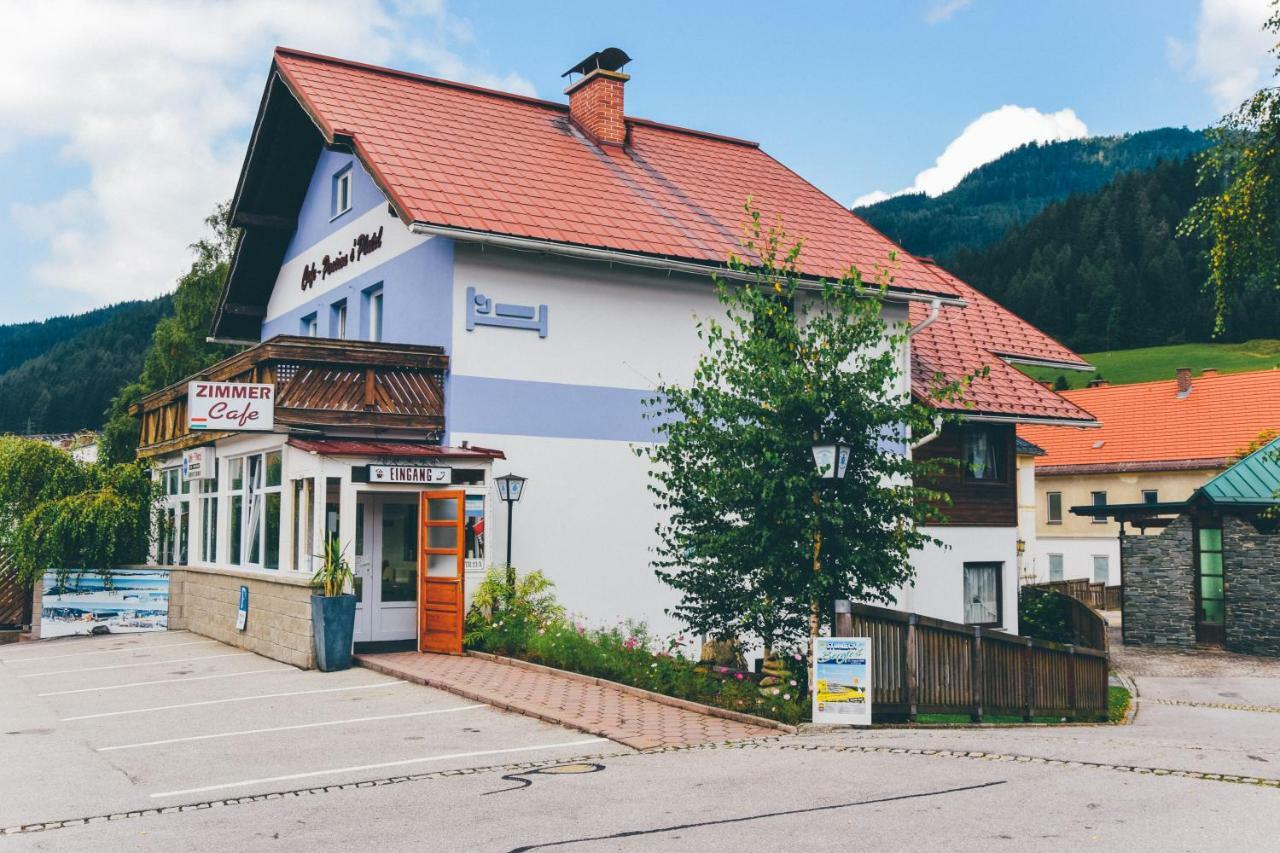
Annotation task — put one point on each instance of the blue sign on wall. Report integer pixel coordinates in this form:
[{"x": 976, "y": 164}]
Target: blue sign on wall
[
  {"x": 483, "y": 311},
  {"x": 242, "y": 616}
]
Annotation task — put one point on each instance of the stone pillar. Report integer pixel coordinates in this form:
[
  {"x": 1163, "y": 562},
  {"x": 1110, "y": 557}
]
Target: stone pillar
[
  {"x": 1159, "y": 587},
  {"x": 1251, "y": 565}
]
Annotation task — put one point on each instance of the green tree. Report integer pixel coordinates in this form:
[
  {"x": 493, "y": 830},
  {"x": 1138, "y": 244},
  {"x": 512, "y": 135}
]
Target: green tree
[
  {"x": 1239, "y": 214},
  {"x": 179, "y": 346},
  {"x": 755, "y": 541},
  {"x": 60, "y": 514}
]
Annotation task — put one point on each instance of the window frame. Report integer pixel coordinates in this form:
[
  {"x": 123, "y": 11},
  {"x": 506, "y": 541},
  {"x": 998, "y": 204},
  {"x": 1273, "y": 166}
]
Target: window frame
[
  {"x": 1093, "y": 497},
  {"x": 255, "y": 494},
  {"x": 310, "y": 325},
  {"x": 338, "y": 320},
  {"x": 1155, "y": 496},
  {"x": 174, "y": 546},
  {"x": 1000, "y": 460},
  {"x": 1062, "y": 568},
  {"x": 374, "y": 312},
  {"x": 1048, "y": 508},
  {"x": 340, "y": 192},
  {"x": 998, "y": 567},
  {"x": 1106, "y": 561}
]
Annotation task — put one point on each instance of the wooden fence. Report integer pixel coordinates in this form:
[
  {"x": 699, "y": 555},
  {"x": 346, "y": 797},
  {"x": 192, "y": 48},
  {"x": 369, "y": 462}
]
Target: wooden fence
[
  {"x": 1097, "y": 595},
  {"x": 930, "y": 666},
  {"x": 15, "y": 597}
]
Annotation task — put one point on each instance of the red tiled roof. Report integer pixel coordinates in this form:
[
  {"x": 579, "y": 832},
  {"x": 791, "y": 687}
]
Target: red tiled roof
[
  {"x": 1148, "y": 426},
  {"x": 459, "y": 156},
  {"x": 982, "y": 334},
  {"x": 351, "y": 447}
]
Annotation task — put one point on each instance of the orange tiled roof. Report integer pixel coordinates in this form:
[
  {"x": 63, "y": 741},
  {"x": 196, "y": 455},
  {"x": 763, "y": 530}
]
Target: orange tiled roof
[
  {"x": 983, "y": 334},
  {"x": 1148, "y": 426},
  {"x": 453, "y": 155}
]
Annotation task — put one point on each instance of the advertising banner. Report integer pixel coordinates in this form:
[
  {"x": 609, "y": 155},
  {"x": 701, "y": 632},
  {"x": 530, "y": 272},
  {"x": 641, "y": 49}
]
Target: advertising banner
[
  {"x": 133, "y": 600},
  {"x": 231, "y": 406},
  {"x": 842, "y": 681}
]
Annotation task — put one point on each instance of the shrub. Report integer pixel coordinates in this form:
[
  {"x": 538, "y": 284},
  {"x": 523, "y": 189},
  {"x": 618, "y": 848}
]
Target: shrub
[{"x": 1044, "y": 615}]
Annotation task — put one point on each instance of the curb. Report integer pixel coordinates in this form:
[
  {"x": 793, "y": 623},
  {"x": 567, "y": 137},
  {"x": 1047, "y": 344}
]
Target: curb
[
  {"x": 660, "y": 698},
  {"x": 1129, "y": 684}
]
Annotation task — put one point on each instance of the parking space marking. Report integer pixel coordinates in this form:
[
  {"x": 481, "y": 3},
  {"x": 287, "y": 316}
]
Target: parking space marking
[
  {"x": 131, "y": 648},
  {"x": 232, "y": 699},
  {"x": 131, "y": 665},
  {"x": 288, "y": 728},
  {"x": 166, "y": 681},
  {"x": 311, "y": 774}
]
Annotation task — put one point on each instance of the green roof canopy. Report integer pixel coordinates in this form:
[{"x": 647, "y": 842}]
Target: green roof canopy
[{"x": 1255, "y": 479}]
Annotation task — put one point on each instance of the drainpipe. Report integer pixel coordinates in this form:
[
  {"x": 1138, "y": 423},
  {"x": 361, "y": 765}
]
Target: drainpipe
[
  {"x": 935, "y": 306},
  {"x": 925, "y": 439}
]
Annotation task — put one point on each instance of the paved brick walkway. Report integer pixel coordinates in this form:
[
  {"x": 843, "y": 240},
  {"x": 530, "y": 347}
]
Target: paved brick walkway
[{"x": 632, "y": 720}]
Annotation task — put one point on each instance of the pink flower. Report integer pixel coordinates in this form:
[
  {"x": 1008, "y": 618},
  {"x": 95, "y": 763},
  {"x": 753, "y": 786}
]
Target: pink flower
[
  {"x": 739, "y": 676},
  {"x": 797, "y": 656}
]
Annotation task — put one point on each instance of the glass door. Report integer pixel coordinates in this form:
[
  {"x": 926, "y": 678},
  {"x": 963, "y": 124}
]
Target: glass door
[
  {"x": 1211, "y": 609},
  {"x": 362, "y": 569},
  {"x": 395, "y": 588}
]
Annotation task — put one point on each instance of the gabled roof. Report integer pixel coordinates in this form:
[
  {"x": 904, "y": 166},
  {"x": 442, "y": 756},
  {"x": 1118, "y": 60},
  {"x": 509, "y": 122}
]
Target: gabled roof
[
  {"x": 1253, "y": 480},
  {"x": 481, "y": 162},
  {"x": 984, "y": 334},
  {"x": 1148, "y": 426}
]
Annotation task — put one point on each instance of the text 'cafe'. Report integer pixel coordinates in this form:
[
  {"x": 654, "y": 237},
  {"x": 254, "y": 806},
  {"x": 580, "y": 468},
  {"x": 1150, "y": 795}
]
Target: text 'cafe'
[{"x": 300, "y": 441}]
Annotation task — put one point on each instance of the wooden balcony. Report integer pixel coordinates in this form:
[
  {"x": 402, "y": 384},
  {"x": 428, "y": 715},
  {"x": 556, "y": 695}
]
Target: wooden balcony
[{"x": 320, "y": 383}]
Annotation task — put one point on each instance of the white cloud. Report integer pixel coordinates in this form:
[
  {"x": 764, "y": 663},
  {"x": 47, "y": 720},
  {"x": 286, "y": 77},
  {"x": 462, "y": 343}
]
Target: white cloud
[
  {"x": 983, "y": 140},
  {"x": 1231, "y": 53},
  {"x": 156, "y": 98},
  {"x": 944, "y": 10}
]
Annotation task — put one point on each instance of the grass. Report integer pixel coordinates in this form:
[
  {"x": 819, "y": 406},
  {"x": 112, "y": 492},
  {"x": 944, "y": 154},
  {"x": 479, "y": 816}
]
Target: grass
[
  {"x": 1124, "y": 367},
  {"x": 1118, "y": 699}
]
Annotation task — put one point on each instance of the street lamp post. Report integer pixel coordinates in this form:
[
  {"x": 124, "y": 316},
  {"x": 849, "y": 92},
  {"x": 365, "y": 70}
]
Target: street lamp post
[
  {"x": 510, "y": 489},
  {"x": 832, "y": 461}
]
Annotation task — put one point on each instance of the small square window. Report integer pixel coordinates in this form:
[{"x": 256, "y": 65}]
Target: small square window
[
  {"x": 1150, "y": 496},
  {"x": 1054, "y": 501},
  {"x": 340, "y": 198}
]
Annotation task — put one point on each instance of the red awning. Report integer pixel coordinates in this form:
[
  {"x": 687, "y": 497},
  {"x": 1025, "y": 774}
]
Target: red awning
[{"x": 352, "y": 447}]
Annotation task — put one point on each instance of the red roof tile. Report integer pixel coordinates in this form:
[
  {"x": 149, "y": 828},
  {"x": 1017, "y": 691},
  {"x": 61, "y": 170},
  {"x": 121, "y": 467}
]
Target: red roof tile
[
  {"x": 983, "y": 334},
  {"x": 1148, "y": 425},
  {"x": 453, "y": 155},
  {"x": 407, "y": 449}
]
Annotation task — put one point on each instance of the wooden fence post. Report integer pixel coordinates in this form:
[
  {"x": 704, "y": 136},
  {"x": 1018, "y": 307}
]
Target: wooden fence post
[
  {"x": 1028, "y": 681},
  {"x": 976, "y": 672},
  {"x": 842, "y": 626},
  {"x": 910, "y": 668},
  {"x": 1073, "y": 700}
]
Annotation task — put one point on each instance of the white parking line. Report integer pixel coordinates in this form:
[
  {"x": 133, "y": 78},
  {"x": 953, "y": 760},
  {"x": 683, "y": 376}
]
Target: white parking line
[
  {"x": 132, "y": 648},
  {"x": 131, "y": 665},
  {"x": 361, "y": 767},
  {"x": 166, "y": 681},
  {"x": 54, "y": 644},
  {"x": 233, "y": 699},
  {"x": 288, "y": 728}
]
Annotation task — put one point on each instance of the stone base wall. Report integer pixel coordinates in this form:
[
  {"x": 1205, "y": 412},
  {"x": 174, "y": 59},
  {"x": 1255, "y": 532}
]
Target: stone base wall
[
  {"x": 205, "y": 602},
  {"x": 1159, "y": 597},
  {"x": 1252, "y": 569}
]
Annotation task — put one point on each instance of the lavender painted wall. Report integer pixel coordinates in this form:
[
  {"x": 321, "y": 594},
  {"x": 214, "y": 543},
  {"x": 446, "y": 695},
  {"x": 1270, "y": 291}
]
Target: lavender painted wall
[{"x": 315, "y": 221}]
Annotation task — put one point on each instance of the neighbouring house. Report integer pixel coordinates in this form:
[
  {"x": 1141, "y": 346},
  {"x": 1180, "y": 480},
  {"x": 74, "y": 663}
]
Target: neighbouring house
[
  {"x": 1158, "y": 443},
  {"x": 1027, "y": 454},
  {"x": 1202, "y": 571},
  {"x": 82, "y": 445},
  {"x": 440, "y": 284}
]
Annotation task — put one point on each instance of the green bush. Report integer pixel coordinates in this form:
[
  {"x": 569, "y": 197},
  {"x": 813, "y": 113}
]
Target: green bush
[
  {"x": 532, "y": 626},
  {"x": 1044, "y": 615}
]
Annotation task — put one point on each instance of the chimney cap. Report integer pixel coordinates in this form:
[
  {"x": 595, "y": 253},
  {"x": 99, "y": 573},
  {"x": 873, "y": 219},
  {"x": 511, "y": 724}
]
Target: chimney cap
[{"x": 609, "y": 59}]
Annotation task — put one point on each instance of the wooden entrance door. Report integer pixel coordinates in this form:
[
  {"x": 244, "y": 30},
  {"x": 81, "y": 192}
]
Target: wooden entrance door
[{"x": 440, "y": 569}]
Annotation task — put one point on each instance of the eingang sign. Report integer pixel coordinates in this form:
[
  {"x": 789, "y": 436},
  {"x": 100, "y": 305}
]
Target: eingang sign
[
  {"x": 409, "y": 474},
  {"x": 231, "y": 406}
]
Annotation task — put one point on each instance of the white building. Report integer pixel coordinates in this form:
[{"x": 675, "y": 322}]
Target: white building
[{"x": 448, "y": 283}]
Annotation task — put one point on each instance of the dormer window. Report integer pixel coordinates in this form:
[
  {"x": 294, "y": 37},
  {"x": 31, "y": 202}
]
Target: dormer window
[{"x": 340, "y": 198}]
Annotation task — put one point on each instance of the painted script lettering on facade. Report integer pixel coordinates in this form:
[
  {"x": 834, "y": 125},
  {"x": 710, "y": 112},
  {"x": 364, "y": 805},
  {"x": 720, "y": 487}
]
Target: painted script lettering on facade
[
  {"x": 482, "y": 311},
  {"x": 364, "y": 244},
  {"x": 409, "y": 474},
  {"x": 231, "y": 406}
]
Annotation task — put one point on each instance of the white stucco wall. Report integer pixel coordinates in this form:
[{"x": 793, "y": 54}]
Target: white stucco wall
[
  {"x": 939, "y": 586},
  {"x": 1077, "y": 556}
]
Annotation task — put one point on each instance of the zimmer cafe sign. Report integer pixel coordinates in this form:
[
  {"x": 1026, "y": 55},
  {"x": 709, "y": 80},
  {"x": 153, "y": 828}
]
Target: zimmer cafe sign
[{"x": 231, "y": 406}]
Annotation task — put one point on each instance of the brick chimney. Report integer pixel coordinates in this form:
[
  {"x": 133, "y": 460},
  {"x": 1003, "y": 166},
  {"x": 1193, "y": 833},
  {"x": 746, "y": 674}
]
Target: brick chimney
[
  {"x": 1184, "y": 381},
  {"x": 1098, "y": 383},
  {"x": 595, "y": 99}
]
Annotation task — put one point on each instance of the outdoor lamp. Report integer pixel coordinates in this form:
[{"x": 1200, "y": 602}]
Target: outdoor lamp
[
  {"x": 510, "y": 489},
  {"x": 831, "y": 459}
]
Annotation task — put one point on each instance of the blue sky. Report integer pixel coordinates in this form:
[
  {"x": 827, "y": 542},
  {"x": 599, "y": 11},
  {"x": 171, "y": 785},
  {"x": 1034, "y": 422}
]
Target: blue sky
[{"x": 127, "y": 119}]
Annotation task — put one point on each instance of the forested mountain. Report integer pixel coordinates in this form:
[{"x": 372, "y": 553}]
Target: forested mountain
[
  {"x": 1010, "y": 190},
  {"x": 61, "y": 374},
  {"x": 1105, "y": 270}
]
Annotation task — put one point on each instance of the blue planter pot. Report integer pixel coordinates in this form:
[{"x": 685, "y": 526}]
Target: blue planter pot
[{"x": 333, "y": 619}]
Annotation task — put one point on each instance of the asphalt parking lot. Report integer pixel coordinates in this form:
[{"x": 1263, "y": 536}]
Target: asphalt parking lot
[{"x": 100, "y": 725}]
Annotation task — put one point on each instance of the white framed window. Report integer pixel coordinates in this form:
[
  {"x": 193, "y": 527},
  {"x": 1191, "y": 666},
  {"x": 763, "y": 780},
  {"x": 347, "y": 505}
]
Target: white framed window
[
  {"x": 984, "y": 453},
  {"x": 1099, "y": 499},
  {"x": 1053, "y": 501},
  {"x": 340, "y": 196},
  {"x": 304, "y": 524},
  {"x": 175, "y": 527},
  {"x": 1101, "y": 568},
  {"x": 253, "y": 510},
  {"x": 373, "y": 311},
  {"x": 1056, "y": 572},
  {"x": 208, "y": 547},
  {"x": 338, "y": 320},
  {"x": 1150, "y": 496},
  {"x": 983, "y": 595},
  {"x": 310, "y": 326}
]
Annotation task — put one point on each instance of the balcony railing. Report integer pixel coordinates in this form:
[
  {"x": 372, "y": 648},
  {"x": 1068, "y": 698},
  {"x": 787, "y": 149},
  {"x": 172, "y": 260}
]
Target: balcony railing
[{"x": 319, "y": 383}]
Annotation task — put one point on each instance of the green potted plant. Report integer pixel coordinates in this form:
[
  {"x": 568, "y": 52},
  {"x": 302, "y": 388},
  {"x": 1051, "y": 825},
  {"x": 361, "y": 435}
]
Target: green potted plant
[{"x": 333, "y": 609}]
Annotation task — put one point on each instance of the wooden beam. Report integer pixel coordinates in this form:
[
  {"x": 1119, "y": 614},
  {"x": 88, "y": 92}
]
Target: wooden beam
[{"x": 263, "y": 220}]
